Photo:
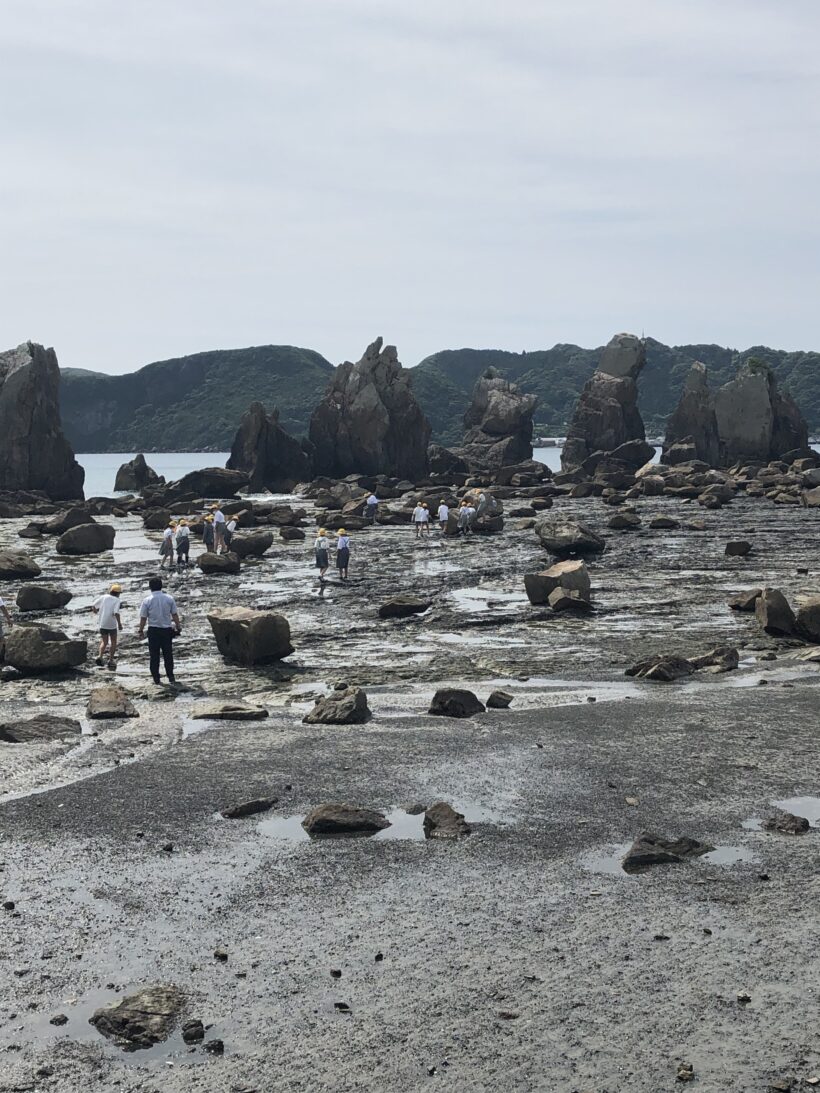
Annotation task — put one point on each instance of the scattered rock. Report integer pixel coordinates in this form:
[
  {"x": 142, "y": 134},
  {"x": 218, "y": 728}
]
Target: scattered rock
[
  {"x": 738, "y": 548},
  {"x": 44, "y": 726},
  {"x": 340, "y": 707},
  {"x": 649, "y": 849},
  {"x": 250, "y": 637},
  {"x": 141, "y": 1019},
  {"x": 724, "y": 658},
  {"x": 786, "y": 823},
  {"x": 569, "y": 575},
  {"x": 441, "y": 821},
  {"x": 562, "y": 536},
  {"x": 402, "y": 606},
  {"x": 34, "y": 649},
  {"x": 293, "y": 535},
  {"x": 69, "y": 518},
  {"x": 227, "y": 710},
  {"x": 86, "y": 539},
  {"x": 110, "y": 701},
  {"x": 568, "y": 599},
  {"x": 210, "y": 482},
  {"x": 16, "y": 566},
  {"x": 193, "y": 1032},
  {"x": 686, "y": 1072},
  {"x": 249, "y": 808},
  {"x": 666, "y": 523},
  {"x": 42, "y": 597},
  {"x": 343, "y": 819},
  {"x": 252, "y": 546},
  {"x": 455, "y": 702},
  {"x": 499, "y": 700},
  {"x": 662, "y": 668},
  {"x": 58, "y": 1019},
  {"x": 745, "y": 601},
  {"x": 624, "y": 521},
  {"x": 216, "y": 564},
  {"x": 807, "y": 622},
  {"x": 214, "y": 1047}
]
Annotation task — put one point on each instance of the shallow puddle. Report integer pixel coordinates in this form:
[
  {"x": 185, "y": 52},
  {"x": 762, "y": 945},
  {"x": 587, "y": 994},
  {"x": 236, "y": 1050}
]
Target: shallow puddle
[
  {"x": 403, "y": 826},
  {"x": 809, "y": 807},
  {"x": 609, "y": 860}
]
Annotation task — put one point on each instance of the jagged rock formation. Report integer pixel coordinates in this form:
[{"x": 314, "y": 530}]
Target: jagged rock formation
[
  {"x": 755, "y": 421},
  {"x": 369, "y": 421},
  {"x": 34, "y": 453},
  {"x": 136, "y": 475},
  {"x": 263, "y": 450},
  {"x": 498, "y": 423},
  {"x": 607, "y": 414},
  {"x": 692, "y": 430}
]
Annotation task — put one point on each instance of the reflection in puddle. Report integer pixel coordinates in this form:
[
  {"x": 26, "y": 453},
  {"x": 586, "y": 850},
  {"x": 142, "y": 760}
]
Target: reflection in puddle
[
  {"x": 809, "y": 807},
  {"x": 609, "y": 859},
  {"x": 403, "y": 826}
]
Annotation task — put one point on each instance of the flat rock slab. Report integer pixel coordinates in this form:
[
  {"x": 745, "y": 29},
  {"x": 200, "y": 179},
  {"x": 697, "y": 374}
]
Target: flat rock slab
[
  {"x": 110, "y": 701},
  {"x": 44, "y": 726},
  {"x": 215, "y": 710},
  {"x": 441, "y": 821},
  {"x": 786, "y": 823},
  {"x": 141, "y": 1019},
  {"x": 401, "y": 607},
  {"x": 649, "y": 850},
  {"x": 662, "y": 668},
  {"x": 343, "y": 819},
  {"x": 249, "y": 808}
]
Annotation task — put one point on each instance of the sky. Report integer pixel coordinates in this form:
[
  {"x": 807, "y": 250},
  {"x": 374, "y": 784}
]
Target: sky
[{"x": 182, "y": 175}]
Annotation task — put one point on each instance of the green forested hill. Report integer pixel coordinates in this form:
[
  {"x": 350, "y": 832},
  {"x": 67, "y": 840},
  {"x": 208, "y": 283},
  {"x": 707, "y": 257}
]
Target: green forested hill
[
  {"x": 190, "y": 403},
  {"x": 443, "y": 381},
  {"x": 195, "y": 403}
]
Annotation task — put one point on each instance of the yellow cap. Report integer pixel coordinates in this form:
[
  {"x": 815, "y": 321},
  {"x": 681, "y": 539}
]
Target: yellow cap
[
  {"x": 116, "y": 588},
  {"x": 341, "y": 531},
  {"x": 209, "y": 517},
  {"x": 322, "y": 531}
]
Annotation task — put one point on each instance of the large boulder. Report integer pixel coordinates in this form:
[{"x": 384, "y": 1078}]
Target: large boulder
[
  {"x": 606, "y": 415},
  {"x": 444, "y": 462},
  {"x": 369, "y": 421},
  {"x": 562, "y": 536},
  {"x": 142, "y": 1019},
  {"x": 69, "y": 518},
  {"x": 569, "y": 575},
  {"x": 662, "y": 668},
  {"x": 41, "y": 597},
  {"x": 343, "y": 819},
  {"x": 135, "y": 475},
  {"x": 211, "y": 482},
  {"x": 402, "y": 606},
  {"x": 807, "y": 621},
  {"x": 250, "y": 637},
  {"x": 252, "y": 546},
  {"x": 774, "y": 613},
  {"x": 692, "y": 429},
  {"x": 498, "y": 423},
  {"x": 271, "y": 457},
  {"x": 343, "y": 706},
  {"x": 110, "y": 701},
  {"x": 219, "y": 564},
  {"x": 86, "y": 539},
  {"x": 455, "y": 702},
  {"x": 34, "y": 453},
  {"x": 34, "y": 649},
  {"x": 755, "y": 421},
  {"x": 16, "y": 566}
]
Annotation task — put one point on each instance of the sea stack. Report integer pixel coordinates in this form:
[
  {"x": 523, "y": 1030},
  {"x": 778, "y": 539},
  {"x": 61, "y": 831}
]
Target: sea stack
[
  {"x": 272, "y": 457},
  {"x": 369, "y": 421},
  {"x": 755, "y": 421},
  {"x": 606, "y": 415},
  {"x": 498, "y": 423},
  {"x": 34, "y": 453},
  {"x": 692, "y": 429}
]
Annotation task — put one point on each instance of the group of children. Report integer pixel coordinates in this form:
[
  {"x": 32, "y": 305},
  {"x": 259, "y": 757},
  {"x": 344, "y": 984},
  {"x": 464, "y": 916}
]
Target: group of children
[
  {"x": 322, "y": 551},
  {"x": 217, "y": 534},
  {"x": 466, "y": 514}
]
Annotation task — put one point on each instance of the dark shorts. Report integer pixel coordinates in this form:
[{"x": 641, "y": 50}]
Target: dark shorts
[
  {"x": 109, "y": 632},
  {"x": 322, "y": 560},
  {"x": 342, "y": 559}
]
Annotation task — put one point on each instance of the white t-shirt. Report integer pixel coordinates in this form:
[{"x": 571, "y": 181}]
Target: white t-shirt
[
  {"x": 372, "y": 499},
  {"x": 168, "y": 533},
  {"x": 182, "y": 533},
  {"x": 418, "y": 514},
  {"x": 443, "y": 512},
  {"x": 107, "y": 607},
  {"x": 232, "y": 526},
  {"x": 219, "y": 517}
]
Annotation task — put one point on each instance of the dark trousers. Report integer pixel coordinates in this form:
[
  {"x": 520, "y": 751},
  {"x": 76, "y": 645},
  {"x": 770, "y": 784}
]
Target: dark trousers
[{"x": 161, "y": 640}]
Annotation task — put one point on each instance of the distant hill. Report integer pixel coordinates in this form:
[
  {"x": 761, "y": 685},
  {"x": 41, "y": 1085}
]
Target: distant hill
[
  {"x": 195, "y": 403},
  {"x": 443, "y": 381},
  {"x": 191, "y": 403}
]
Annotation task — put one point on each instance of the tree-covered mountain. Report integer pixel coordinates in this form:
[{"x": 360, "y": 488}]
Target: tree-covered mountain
[
  {"x": 195, "y": 403},
  {"x": 190, "y": 403}
]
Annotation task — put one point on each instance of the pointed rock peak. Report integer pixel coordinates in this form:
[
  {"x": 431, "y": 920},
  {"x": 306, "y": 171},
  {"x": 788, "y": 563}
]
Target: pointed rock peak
[{"x": 623, "y": 357}]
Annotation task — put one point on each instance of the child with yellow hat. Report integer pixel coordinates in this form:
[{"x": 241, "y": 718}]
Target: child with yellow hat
[{"x": 109, "y": 624}]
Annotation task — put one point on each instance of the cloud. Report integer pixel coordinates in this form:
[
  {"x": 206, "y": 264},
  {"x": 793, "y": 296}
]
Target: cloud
[{"x": 189, "y": 175}]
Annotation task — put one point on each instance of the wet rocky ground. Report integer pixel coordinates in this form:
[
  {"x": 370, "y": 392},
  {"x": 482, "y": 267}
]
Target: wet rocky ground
[{"x": 519, "y": 957}]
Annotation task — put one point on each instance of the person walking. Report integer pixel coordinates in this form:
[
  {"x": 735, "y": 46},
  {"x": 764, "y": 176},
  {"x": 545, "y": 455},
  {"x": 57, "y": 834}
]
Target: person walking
[
  {"x": 219, "y": 529},
  {"x": 158, "y": 612},
  {"x": 464, "y": 515},
  {"x": 109, "y": 624},
  {"x": 183, "y": 543},
  {"x": 372, "y": 507},
  {"x": 6, "y": 623},
  {"x": 230, "y": 528},
  {"x": 418, "y": 518},
  {"x": 342, "y": 554},
  {"x": 166, "y": 548},
  {"x": 321, "y": 549},
  {"x": 425, "y": 519},
  {"x": 443, "y": 514},
  {"x": 208, "y": 533}
]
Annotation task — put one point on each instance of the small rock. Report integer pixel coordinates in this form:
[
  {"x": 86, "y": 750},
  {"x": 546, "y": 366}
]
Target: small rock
[
  {"x": 786, "y": 823},
  {"x": 335, "y": 973},
  {"x": 193, "y": 1031},
  {"x": 662, "y": 668},
  {"x": 649, "y": 849},
  {"x": 249, "y": 808},
  {"x": 686, "y": 1072},
  {"x": 58, "y": 1019},
  {"x": 499, "y": 700},
  {"x": 343, "y": 819},
  {"x": 110, "y": 701},
  {"x": 221, "y": 955},
  {"x": 401, "y": 607},
  {"x": 743, "y": 998},
  {"x": 441, "y": 821},
  {"x": 214, "y": 1047},
  {"x": 141, "y": 1019},
  {"x": 227, "y": 710},
  {"x": 344, "y": 706}
]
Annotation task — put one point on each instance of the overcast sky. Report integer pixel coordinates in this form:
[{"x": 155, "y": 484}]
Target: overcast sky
[{"x": 181, "y": 175}]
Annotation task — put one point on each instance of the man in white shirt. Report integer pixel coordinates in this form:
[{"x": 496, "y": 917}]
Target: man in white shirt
[
  {"x": 443, "y": 515},
  {"x": 159, "y": 612},
  {"x": 219, "y": 529},
  {"x": 108, "y": 623},
  {"x": 230, "y": 528},
  {"x": 372, "y": 507}
]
